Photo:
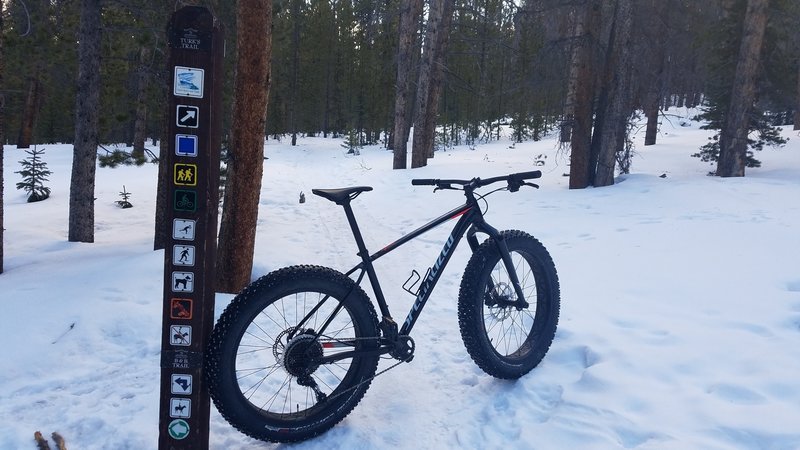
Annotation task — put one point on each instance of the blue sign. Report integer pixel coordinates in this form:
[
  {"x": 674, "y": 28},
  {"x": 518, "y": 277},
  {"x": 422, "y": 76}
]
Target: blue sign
[{"x": 186, "y": 145}]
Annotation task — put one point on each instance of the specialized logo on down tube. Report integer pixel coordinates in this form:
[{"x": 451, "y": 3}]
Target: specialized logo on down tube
[{"x": 423, "y": 292}]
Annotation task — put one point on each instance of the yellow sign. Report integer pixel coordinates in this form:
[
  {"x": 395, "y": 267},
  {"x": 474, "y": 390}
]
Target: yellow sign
[{"x": 185, "y": 175}]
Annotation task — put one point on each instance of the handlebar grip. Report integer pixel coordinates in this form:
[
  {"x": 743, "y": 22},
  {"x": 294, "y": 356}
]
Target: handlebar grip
[
  {"x": 527, "y": 175},
  {"x": 423, "y": 182}
]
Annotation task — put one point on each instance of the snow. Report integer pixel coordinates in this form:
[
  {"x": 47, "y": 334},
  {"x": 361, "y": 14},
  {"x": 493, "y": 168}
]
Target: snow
[{"x": 680, "y": 295}]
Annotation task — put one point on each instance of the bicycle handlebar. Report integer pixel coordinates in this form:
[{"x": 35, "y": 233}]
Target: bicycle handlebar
[{"x": 515, "y": 181}]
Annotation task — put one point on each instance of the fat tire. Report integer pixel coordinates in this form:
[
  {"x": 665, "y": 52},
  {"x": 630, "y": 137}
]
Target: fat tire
[
  {"x": 244, "y": 309},
  {"x": 473, "y": 313}
]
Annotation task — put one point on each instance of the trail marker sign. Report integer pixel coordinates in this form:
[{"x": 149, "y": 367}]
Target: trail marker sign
[{"x": 195, "y": 63}]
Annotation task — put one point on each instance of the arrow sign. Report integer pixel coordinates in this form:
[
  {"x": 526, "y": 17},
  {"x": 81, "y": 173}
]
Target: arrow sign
[
  {"x": 187, "y": 116},
  {"x": 181, "y": 384},
  {"x": 190, "y": 116}
]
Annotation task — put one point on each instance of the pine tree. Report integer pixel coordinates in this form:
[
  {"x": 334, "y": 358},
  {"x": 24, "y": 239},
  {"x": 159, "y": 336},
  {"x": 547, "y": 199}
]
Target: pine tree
[
  {"x": 410, "y": 11},
  {"x": 126, "y": 196},
  {"x": 237, "y": 232},
  {"x": 747, "y": 106},
  {"x": 87, "y": 116},
  {"x": 2, "y": 131},
  {"x": 353, "y": 142},
  {"x": 34, "y": 174}
]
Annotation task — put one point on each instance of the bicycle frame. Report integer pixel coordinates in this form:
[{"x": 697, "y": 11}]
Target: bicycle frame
[{"x": 470, "y": 222}]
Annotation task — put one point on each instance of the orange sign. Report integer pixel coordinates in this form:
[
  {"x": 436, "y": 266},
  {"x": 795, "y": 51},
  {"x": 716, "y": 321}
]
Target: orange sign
[{"x": 180, "y": 308}]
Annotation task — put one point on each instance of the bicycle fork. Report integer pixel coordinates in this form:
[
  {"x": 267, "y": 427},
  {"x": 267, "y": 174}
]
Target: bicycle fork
[{"x": 505, "y": 256}]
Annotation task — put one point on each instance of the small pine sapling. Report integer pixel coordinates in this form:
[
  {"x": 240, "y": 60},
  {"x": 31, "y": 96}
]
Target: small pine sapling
[
  {"x": 125, "y": 202},
  {"x": 34, "y": 173},
  {"x": 115, "y": 158},
  {"x": 353, "y": 142}
]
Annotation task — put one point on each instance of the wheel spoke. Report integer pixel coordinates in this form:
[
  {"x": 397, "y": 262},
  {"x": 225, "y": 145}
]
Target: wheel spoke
[
  {"x": 507, "y": 328},
  {"x": 270, "y": 336}
]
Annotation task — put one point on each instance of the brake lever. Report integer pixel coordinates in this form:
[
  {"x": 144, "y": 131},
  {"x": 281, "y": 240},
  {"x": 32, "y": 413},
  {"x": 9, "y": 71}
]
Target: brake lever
[
  {"x": 533, "y": 185},
  {"x": 444, "y": 187}
]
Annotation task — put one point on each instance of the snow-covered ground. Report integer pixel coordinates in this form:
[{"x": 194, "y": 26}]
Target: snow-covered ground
[{"x": 680, "y": 320}]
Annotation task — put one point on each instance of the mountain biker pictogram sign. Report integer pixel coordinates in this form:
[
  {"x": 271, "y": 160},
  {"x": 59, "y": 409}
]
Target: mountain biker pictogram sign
[{"x": 185, "y": 200}]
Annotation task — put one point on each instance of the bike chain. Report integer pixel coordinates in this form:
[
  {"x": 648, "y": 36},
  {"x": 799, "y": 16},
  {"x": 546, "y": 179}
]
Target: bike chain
[{"x": 368, "y": 380}]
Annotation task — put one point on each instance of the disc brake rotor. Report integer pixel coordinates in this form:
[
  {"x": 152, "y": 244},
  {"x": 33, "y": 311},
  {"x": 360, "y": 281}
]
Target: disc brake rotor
[{"x": 501, "y": 299}]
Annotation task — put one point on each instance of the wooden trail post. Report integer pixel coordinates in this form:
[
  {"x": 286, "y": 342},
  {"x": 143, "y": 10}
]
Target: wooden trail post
[{"x": 194, "y": 111}]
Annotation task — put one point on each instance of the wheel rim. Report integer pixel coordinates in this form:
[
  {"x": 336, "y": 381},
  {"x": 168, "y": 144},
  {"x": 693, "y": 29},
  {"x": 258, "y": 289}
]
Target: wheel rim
[
  {"x": 510, "y": 331},
  {"x": 276, "y": 365}
]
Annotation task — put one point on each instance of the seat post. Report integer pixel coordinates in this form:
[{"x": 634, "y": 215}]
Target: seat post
[
  {"x": 367, "y": 262},
  {"x": 351, "y": 219}
]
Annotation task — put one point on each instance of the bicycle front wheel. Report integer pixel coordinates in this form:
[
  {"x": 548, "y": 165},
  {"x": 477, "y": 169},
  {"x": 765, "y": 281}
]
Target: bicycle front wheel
[
  {"x": 271, "y": 363},
  {"x": 504, "y": 339}
]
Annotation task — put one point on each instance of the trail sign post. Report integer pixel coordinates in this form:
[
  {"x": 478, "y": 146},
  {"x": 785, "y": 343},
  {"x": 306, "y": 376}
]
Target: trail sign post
[{"x": 195, "y": 65}]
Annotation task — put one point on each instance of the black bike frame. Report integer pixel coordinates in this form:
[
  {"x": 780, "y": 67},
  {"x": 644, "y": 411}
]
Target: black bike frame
[{"x": 470, "y": 221}]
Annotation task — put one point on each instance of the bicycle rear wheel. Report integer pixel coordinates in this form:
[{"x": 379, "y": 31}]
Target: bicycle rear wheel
[
  {"x": 504, "y": 340},
  {"x": 265, "y": 360}
]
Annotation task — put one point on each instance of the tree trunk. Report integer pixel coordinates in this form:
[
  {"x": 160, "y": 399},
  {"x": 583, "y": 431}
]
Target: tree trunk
[
  {"x": 161, "y": 236},
  {"x": 430, "y": 80},
  {"x": 655, "y": 73},
  {"x": 29, "y": 112},
  {"x": 579, "y": 170},
  {"x": 437, "y": 80},
  {"x": 140, "y": 123},
  {"x": 797, "y": 105},
  {"x": 81, "y": 192},
  {"x": 329, "y": 72},
  {"x": 410, "y": 11},
  {"x": 294, "y": 83},
  {"x": 651, "y": 112},
  {"x": 615, "y": 117},
  {"x": 2, "y": 131},
  {"x": 483, "y": 112},
  {"x": 733, "y": 136},
  {"x": 437, "y": 76},
  {"x": 246, "y": 164},
  {"x": 162, "y": 202},
  {"x": 419, "y": 155},
  {"x": 578, "y": 38}
]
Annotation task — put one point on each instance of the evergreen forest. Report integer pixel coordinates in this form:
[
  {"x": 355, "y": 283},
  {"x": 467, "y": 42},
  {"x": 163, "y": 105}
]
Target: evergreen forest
[
  {"x": 457, "y": 72},
  {"x": 334, "y": 64}
]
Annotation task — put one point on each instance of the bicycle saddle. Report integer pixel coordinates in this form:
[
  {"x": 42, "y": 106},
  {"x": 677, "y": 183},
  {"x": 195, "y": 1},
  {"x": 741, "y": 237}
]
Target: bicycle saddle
[{"x": 343, "y": 195}]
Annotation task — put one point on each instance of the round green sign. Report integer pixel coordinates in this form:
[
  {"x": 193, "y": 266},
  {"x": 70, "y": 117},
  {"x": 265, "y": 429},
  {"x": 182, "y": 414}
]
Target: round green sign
[{"x": 178, "y": 429}]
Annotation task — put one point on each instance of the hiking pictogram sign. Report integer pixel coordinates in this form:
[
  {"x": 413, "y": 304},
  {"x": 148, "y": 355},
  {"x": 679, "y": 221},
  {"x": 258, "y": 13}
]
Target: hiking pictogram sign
[{"x": 185, "y": 175}]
